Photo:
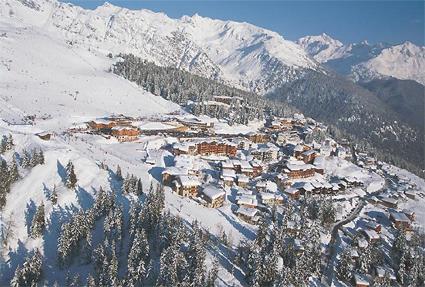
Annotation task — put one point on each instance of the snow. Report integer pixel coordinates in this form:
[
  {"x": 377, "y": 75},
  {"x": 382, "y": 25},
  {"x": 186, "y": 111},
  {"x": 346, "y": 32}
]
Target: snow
[
  {"x": 80, "y": 87},
  {"x": 238, "y": 53}
]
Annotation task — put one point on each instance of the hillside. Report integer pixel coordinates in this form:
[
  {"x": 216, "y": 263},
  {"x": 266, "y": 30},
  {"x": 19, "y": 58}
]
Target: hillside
[
  {"x": 357, "y": 112},
  {"x": 43, "y": 76},
  {"x": 239, "y": 53},
  {"x": 405, "y": 97}
]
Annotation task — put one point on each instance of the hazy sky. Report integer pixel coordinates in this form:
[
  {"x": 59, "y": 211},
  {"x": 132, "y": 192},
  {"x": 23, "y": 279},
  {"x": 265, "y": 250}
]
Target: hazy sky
[{"x": 348, "y": 21}]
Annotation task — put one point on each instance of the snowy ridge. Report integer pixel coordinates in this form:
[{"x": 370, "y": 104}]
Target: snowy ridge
[
  {"x": 239, "y": 53},
  {"x": 405, "y": 62},
  {"x": 322, "y": 47},
  {"x": 364, "y": 61}
]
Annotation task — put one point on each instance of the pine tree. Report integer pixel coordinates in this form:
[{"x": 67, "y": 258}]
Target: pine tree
[
  {"x": 168, "y": 267},
  {"x": 118, "y": 173},
  {"x": 38, "y": 222},
  {"x": 71, "y": 178},
  {"x": 13, "y": 171},
  {"x": 54, "y": 196},
  {"x": 139, "y": 188},
  {"x": 138, "y": 258},
  {"x": 30, "y": 272},
  {"x": 26, "y": 159}
]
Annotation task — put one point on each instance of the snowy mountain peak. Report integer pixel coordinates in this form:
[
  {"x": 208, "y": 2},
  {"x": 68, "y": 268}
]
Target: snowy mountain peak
[
  {"x": 404, "y": 61},
  {"x": 321, "y": 47}
]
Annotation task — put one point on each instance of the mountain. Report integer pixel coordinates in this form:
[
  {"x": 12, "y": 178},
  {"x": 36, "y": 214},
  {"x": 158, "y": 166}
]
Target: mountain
[
  {"x": 364, "y": 61},
  {"x": 242, "y": 54},
  {"x": 322, "y": 47},
  {"x": 405, "y": 97},
  {"x": 405, "y": 61}
]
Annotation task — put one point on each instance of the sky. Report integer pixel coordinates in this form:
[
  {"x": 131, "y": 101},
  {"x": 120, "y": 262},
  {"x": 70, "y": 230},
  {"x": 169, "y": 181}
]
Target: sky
[{"x": 348, "y": 21}]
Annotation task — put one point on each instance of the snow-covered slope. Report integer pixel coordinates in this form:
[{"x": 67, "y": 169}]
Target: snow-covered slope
[
  {"x": 405, "y": 61},
  {"x": 42, "y": 75},
  {"x": 365, "y": 61},
  {"x": 240, "y": 53}
]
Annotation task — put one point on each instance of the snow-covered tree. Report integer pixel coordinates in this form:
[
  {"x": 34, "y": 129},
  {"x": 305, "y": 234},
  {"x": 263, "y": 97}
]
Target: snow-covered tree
[
  {"x": 38, "y": 222},
  {"x": 71, "y": 178}
]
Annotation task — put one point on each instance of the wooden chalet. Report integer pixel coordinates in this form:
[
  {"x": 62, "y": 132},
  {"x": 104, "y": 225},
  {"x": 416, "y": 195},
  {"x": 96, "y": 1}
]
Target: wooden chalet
[
  {"x": 213, "y": 195},
  {"x": 125, "y": 134},
  {"x": 186, "y": 185}
]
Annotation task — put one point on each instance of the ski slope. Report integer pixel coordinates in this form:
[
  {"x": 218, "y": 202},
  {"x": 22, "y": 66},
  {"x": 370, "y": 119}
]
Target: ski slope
[{"x": 44, "y": 76}]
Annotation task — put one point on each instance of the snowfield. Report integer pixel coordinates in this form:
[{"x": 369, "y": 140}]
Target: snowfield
[{"x": 52, "y": 79}]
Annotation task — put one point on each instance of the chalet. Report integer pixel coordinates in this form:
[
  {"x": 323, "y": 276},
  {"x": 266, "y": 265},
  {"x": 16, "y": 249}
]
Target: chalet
[
  {"x": 389, "y": 202},
  {"x": 371, "y": 235},
  {"x": 374, "y": 226},
  {"x": 197, "y": 124},
  {"x": 242, "y": 180},
  {"x": 297, "y": 170},
  {"x": 409, "y": 213},
  {"x": 125, "y": 134},
  {"x": 293, "y": 193},
  {"x": 246, "y": 168},
  {"x": 271, "y": 198},
  {"x": 184, "y": 148},
  {"x": 101, "y": 124},
  {"x": 257, "y": 169},
  {"x": 382, "y": 272},
  {"x": 242, "y": 143},
  {"x": 400, "y": 220},
  {"x": 265, "y": 152},
  {"x": 213, "y": 195},
  {"x": 309, "y": 156},
  {"x": 170, "y": 174},
  {"x": 258, "y": 137},
  {"x": 410, "y": 194},
  {"x": 261, "y": 186},
  {"x": 299, "y": 150},
  {"x": 303, "y": 187},
  {"x": 247, "y": 200},
  {"x": 248, "y": 214},
  {"x": 228, "y": 176},
  {"x": 361, "y": 280},
  {"x": 186, "y": 185},
  {"x": 216, "y": 148}
]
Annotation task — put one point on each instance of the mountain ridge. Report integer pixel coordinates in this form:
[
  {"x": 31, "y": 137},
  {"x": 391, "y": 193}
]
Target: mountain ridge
[{"x": 364, "y": 62}]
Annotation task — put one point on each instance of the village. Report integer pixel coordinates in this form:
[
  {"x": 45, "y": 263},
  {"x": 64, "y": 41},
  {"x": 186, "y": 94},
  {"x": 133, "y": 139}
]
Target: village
[{"x": 283, "y": 161}]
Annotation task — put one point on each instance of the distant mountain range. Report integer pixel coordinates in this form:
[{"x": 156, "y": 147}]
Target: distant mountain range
[{"x": 364, "y": 62}]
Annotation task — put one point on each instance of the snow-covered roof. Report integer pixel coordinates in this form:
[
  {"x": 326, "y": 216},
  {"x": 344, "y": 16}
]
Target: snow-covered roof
[
  {"x": 247, "y": 211},
  {"x": 213, "y": 192},
  {"x": 228, "y": 173},
  {"x": 187, "y": 180},
  {"x": 247, "y": 200},
  {"x": 361, "y": 279},
  {"x": 291, "y": 190},
  {"x": 399, "y": 216},
  {"x": 174, "y": 170},
  {"x": 299, "y": 148},
  {"x": 309, "y": 152},
  {"x": 371, "y": 234},
  {"x": 243, "y": 178}
]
